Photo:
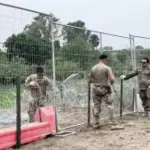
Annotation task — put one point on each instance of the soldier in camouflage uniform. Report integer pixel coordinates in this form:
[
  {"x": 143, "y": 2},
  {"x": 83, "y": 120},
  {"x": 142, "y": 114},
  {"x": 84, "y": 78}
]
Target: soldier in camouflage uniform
[
  {"x": 38, "y": 85},
  {"x": 101, "y": 77},
  {"x": 143, "y": 73}
]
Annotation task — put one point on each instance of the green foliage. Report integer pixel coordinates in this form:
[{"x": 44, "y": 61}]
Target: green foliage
[
  {"x": 139, "y": 47},
  {"x": 40, "y": 28},
  {"x": 94, "y": 39},
  {"x": 32, "y": 47},
  {"x": 10, "y": 70},
  {"x": 33, "y": 51},
  {"x": 33, "y": 44},
  {"x": 77, "y": 51},
  {"x": 120, "y": 61},
  {"x": 140, "y": 54},
  {"x": 129, "y": 117},
  {"x": 66, "y": 68},
  {"x": 7, "y": 97},
  {"x": 71, "y": 34}
]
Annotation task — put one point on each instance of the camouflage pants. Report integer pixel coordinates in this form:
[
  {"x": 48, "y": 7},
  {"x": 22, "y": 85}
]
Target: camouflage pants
[
  {"x": 145, "y": 97},
  {"x": 99, "y": 95},
  {"x": 34, "y": 104}
]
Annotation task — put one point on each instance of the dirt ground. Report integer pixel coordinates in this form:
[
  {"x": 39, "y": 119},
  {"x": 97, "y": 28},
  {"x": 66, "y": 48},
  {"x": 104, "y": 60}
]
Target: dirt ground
[{"x": 134, "y": 136}]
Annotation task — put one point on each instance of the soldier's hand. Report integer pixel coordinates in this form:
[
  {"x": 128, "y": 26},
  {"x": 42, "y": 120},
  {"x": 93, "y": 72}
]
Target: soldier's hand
[
  {"x": 33, "y": 84},
  {"x": 122, "y": 77}
]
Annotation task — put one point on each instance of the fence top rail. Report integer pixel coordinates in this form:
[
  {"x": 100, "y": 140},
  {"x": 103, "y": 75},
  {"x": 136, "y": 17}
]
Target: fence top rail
[
  {"x": 142, "y": 37},
  {"x": 92, "y": 30},
  {"x": 25, "y": 9}
]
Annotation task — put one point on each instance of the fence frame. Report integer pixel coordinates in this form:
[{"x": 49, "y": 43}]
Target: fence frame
[
  {"x": 130, "y": 38},
  {"x": 132, "y": 41},
  {"x": 18, "y": 112},
  {"x": 101, "y": 50}
]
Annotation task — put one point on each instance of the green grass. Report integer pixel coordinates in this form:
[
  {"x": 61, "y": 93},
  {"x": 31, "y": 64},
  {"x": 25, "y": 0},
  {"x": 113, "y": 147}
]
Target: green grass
[
  {"x": 146, "y": 125},
  {"x": 8, "y": 96},
  {"x": 129, "y": 117},
  {"x": 147, "y": 129}
]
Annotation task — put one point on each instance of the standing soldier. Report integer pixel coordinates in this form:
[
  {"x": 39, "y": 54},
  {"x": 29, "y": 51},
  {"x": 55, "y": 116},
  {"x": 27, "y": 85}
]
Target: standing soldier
[
  {"x": 101, "y": 77},
  {"x": 37, "y": 84},
  {"x": 143, "y": 73}
]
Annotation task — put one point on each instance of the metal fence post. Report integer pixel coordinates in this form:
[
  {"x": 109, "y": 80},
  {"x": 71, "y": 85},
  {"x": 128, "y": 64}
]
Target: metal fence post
[
  {"x": 131, "y": 49},
  {"x": 133, "y": 67},
  {"x": 136, "y": 80},
  {"x": 101, "y": 42},
  {"x": 89, "y": 104},
  {"x": 18, "y": 111},
  {"x": 133, "y": 102},
  {"x": 134, "y": 50},
  {"x": 54, "y": 71},
  {"x": 121, "y": 98}
]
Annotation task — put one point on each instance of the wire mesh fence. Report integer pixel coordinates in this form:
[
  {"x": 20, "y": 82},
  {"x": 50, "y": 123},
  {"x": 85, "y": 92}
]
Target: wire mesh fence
[
  {"x": 77, "y": 55},
  {"x": 141, "y": 48},
  {"x": 120, "y": 60},
  {"x": 25, "y": 44},
  {"x": 29, "y": 39}
]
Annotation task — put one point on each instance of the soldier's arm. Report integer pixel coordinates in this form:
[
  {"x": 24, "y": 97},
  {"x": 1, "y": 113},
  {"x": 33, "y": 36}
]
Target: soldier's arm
[
  {"x": 27, "y": 81},
  {"x": 49, "y": 83},
  {"x": 132, "y": 74},
  {"x": 111, "y": 76}
]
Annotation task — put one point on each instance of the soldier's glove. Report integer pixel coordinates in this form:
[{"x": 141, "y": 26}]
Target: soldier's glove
[
  {"x": 122, "y": 77},
  {"x": 149, "y": 86},
  {"x": 33, "y": 85}
]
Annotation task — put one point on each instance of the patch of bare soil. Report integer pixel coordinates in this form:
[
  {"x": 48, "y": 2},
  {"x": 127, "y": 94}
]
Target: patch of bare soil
[{"x": 135, "y": 135}]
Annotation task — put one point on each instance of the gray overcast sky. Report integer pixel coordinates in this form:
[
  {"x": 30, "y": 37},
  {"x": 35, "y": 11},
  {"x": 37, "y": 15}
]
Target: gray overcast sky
[{"x": 114, "y": 16}]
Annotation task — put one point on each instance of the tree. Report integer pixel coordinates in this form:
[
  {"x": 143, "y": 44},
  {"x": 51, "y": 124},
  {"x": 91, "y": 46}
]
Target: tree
[
  {"x": 108, "y": 48},
  {"x": 123, "y": 56},
  {"x": 33, "y": 51},
  {"x": 57, "y": 45},
  {"x": 124, "y": 61},
  {"x": 94, "y": 39},
  {"x": 77, "y": 51},
  {"x": 40, "y": 28},
  {"x": 34, "y": 43},
  {"x": 139, "y": 47},
  {"x": 3, "y": 57},
  {"x": 71, "y": 33}
]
